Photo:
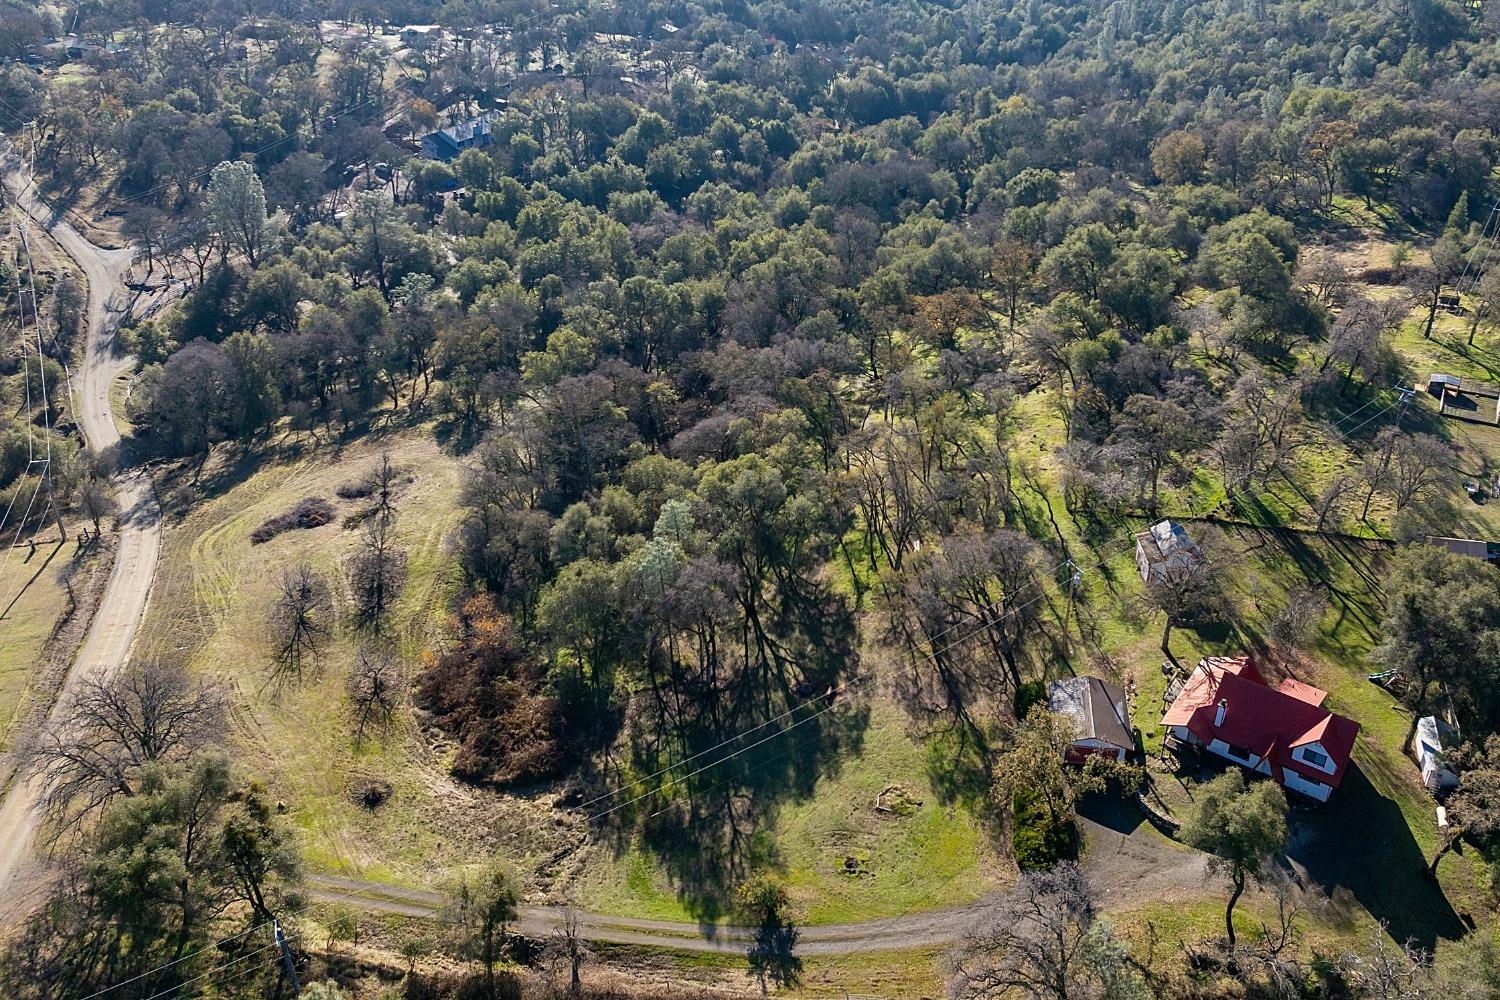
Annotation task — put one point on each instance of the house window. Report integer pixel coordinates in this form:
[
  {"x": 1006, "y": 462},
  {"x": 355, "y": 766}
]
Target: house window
[
  {"x": 1314, "y": 758},
  {"x": 1238, "y": 753}
]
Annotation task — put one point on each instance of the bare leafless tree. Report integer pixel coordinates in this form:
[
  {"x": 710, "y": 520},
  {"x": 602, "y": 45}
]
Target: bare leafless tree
[
  {"x": 375, "y": 686},
  {"x": 382, "y": 483},
  {"x": 146, "y": 226},
  {"x": 377, "y": 572},
  {"x": 1262, "y": 432},
  {"x": 568, "y": 950},
  {"x": 1387, "y": 972},
  {"x": 1043, "y": 941},
  {"x": 1332, "y": 504},
  {"x": 1419, "y": 464},
  {"x": 1274, "y": 949},
  {"x": 1191, "y": 591},
  {"x": 1291, "y": 625},
  {"x": 113, "y": 727},
  {"x": 299, "y": 623},
  {"x": 96, "y": 500},
  {"x": 1324, "y": 274}
]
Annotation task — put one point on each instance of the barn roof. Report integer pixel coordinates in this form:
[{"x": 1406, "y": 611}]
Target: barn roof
[{"x": 1097, "y": 708}]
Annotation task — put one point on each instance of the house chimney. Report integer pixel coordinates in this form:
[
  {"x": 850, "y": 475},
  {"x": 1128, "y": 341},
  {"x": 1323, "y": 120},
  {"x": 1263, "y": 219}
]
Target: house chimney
[{"x": 1219, "y": 711}]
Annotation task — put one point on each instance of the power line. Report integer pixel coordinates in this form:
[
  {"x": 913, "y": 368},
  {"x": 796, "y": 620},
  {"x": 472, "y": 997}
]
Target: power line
[
  {"x": 44, "y": 480},
  {"x": 865, "y": 680},
  {"x": 26, "y": 381},
  {"x": 1352, "y": 413},
  {"x": 1343, "y": 436},
  {"x": 218, "y": 968},
  {"x": 41, "y": 359},
  {"x": 285, "y": 914},
  {"x": 841, "y": 689},
  {"x": 241, "y": 974},
  {"x": 931, "y": 655},
  {"x": 1492, "y": 228}
]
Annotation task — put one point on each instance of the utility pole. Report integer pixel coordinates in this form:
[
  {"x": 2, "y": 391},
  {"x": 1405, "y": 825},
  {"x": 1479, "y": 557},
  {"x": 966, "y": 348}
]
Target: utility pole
[
  {"x": 287, "y": 966},
  {"x": 1406, "y": 393},
  {"x": 1075, "y": 577}
]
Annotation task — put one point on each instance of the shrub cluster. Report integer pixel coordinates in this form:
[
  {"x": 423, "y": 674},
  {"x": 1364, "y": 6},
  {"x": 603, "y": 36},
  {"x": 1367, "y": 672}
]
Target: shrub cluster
[{"x": 309, "y": 512}]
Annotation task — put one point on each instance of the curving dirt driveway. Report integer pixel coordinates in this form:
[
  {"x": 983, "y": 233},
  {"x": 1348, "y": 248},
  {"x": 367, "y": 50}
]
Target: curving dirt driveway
[
  {"x": 912, "y": 930},
  {"x": 139, "y": 542},
  {"x": 1129, "y": 863}
]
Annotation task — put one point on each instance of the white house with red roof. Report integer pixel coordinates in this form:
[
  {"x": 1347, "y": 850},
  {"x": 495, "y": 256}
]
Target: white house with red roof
[{"x": 1283, "y": 732}]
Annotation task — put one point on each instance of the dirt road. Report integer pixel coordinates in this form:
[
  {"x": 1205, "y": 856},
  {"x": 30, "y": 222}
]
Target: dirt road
[
  {"x": 913, "y": 930},
  {"x": 124, "y": 601},
  {"x": 1128, "y": 868}
]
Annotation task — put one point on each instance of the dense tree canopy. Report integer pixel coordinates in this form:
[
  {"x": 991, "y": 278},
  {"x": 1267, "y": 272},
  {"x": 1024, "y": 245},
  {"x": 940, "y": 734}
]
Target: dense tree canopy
[{"x": 752, "y": 325}]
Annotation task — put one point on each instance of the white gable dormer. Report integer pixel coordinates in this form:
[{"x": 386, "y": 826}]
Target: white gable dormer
[{"x": 1313, "y": 755}]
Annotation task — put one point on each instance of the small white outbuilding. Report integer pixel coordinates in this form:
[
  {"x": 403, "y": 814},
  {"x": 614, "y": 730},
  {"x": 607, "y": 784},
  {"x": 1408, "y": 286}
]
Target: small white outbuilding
[{"x": 1434, "y": 736}]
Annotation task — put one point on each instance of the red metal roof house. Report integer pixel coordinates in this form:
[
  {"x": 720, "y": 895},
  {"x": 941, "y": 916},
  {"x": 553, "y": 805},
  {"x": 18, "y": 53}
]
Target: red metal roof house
[{"x": 1284, "y": 733}]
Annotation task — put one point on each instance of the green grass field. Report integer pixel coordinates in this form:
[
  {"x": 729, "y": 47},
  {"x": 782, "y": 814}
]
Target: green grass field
[
  {"x": 937, "y": 855},
  {"x": 210, "y": 602},
  {"x": 40, "y": 601}
]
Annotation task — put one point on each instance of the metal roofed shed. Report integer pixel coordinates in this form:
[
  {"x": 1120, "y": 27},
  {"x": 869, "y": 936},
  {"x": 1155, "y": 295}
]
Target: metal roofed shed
[
  {"x": 1437, "y": 382},
  {"x": 1163, "y": 547},
  {"x": 1433, "y": 737},
  {"x": 1100, "y": 714},
  {"x": 1472, "y": 547}
]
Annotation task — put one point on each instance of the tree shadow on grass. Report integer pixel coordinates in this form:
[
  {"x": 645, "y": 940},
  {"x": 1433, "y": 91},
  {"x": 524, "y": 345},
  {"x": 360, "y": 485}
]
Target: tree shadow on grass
[
  {"x": 958, "y": 767},
  {"x": 232, "y": 464},
  {"x": 1314, "y": 557},
  {"x": 459, "y": 437},
  {"x": 1359, "y": 844},
  {"x": 719, "y": 825}
]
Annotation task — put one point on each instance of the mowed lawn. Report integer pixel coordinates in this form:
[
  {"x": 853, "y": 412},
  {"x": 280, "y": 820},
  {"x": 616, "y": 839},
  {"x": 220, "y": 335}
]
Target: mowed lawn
[
  {"x": 841, "y": 859},
  {"x": 210, "y": 604}
]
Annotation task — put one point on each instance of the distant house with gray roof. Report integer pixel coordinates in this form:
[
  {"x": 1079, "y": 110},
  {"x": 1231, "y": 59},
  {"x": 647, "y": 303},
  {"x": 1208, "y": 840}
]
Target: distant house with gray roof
[{"x": 447, "y": 143}]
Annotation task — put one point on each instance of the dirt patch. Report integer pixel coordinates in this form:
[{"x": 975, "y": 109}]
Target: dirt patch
[
  {"x": 897, "y": 800},
  {"x": 1139, "y": 866},
  {"x": 87, "y": 212},
  {"x": 621, "y": 972}
]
